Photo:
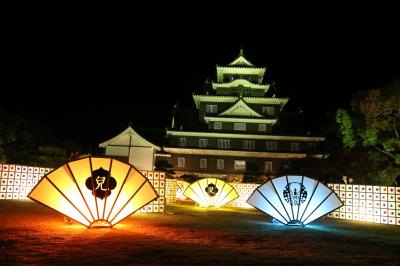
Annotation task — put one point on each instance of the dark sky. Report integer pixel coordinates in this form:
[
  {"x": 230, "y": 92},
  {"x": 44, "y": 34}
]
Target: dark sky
[{"x": 103, "y": 69}]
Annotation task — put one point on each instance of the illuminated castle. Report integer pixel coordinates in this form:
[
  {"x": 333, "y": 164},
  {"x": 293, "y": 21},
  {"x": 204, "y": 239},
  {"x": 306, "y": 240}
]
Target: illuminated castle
[{"x": 236, "y": 128}]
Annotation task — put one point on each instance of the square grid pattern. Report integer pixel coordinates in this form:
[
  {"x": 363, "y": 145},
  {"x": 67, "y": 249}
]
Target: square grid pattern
[
  {"x": 244, "y": 190},
  {"x": 376, "y": 204},
  {"x": 16, "y": 181},
  {"x": 170, "y": 190},
  {"x": 157, "y": 179}
]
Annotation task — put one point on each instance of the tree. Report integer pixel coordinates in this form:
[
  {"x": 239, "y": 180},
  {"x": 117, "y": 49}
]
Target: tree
[
  {"x": 50, "y": 156},
  {"x": 252, "y": 172},
  {"x": 373, "y": 125},
  {"x": 2, "y": 154},
  {"x": 29, "y": 143},
  {"x": 164, "y": 165}
]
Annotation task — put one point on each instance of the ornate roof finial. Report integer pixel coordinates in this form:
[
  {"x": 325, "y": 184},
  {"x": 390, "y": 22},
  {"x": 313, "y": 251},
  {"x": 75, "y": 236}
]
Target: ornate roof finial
[{"x": 241, "y": 50}]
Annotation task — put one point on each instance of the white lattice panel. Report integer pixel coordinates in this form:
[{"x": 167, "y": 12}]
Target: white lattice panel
[
  {"x": 375, "y": 204},
  {"x": 170, "y": 189},
  {"x": 16, "y": 181},
  {"x": 158, "y": 180},
  {"x": 244, "y": 190}
]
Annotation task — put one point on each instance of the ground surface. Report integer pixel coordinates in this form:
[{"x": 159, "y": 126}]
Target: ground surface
[{"x": 185, "y": 235}]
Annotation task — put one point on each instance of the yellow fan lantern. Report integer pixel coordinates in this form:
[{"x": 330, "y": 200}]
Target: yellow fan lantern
[
  {"x": 180, "y": 189},
  {"x": 211, "y": 192},
  {"x": 94, "y": 191}
]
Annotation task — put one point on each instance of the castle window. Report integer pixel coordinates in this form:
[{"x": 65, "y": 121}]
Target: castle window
[
  {"x": 312, "y": 146},
  {"x": 220, "y": 164},
  {"x": 271, "y": 145},
  {"x": 203, "y": 143},
  {"x": 181, "y": 162},
  {"x": 268, "y": 167},
  {"x": 182, "y": 142},
  {"x": 249, "y": 144},
  {"x": 203, "y": 163},
  {"x": 211, "y": 108},
  {"x": 262, "y": 127},
  {"x": 239, "y": 126},
  {"x": 269, "y": 110},
  {"x": 239, "y": 165},
  {"x": 224, "y": 143},
  {"x": 218, "y": 125},
  {"x": 294, "y": 146}
]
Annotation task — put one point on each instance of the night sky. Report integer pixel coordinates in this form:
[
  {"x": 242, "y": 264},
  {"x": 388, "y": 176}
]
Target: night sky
[{"x": 106, "y": 68}]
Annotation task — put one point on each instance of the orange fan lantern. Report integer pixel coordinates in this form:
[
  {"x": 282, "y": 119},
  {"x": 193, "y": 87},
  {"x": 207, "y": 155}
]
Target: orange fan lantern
[{"x": 94, "y": 191}]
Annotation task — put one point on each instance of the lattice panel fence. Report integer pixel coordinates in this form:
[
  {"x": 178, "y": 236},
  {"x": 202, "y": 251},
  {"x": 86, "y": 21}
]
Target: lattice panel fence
[
  {"x": 171, "y": 186},
  {"x": 377, "y": 204},
  {"x": 157, "y": 179},
  {"x": 244, "y": 190},
  {"x": 16, "y": 181}
]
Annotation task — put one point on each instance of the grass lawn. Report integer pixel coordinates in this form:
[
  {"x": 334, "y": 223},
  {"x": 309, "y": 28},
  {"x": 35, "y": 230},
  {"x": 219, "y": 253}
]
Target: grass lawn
[{"x": 187, "y": 235}]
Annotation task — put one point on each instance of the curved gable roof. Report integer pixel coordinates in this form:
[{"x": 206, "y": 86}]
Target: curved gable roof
[
  {"x": 129, "y": 137},
  {"x": 240, "y": 108}
]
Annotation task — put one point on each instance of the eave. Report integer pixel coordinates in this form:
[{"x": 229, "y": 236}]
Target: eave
[
  {"x": 198, "y": 98},
  {"x": 239, "y": 120},
  {"x": 240, "y": 60},
  {"x": 240, "y": 106},
  {"x": 238, "y": 82},
  {"x": 235, "y": 153},
  {"x": 221, "y": 70},
  {"x": 130, "y": 132},
  {"x": 242, "y": 136}
]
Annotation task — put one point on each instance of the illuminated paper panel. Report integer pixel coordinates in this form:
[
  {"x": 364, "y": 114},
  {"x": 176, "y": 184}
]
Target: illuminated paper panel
[
  {"x": 180, "y": 188},
  {"x": 132, "y": 184},
  {"x": 244, "y": 190},
  {"x": 143, "y": 196},
  {"x": 48, "y": 195},
  {"x": 171, "y": 190},
  {"x": 367, "y": 203},
  {"x": 82, "y": 170},
  {"x": 101, "y": 163},
  {"x": 120, "y": 172},
  {"x": 95, "y": 190},
  {"x": 272, "y": 198},
  {"x": 195, "y": 192},
  {"x": 159, "y": 182},
  {"x": 63, "y": 179},
  {"x": 211, "y": 192},
  {"x": 295, "y": 200},
  {"x": 16, "y": 181},
  {"x": 263, "y": 204}
]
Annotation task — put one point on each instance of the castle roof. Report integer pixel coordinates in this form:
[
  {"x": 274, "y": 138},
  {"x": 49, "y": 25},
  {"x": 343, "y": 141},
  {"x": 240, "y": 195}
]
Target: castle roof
[{"x": 241, "y": 61}]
